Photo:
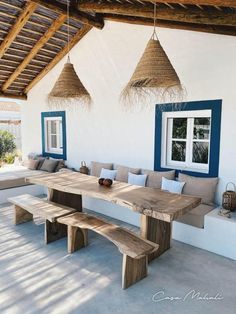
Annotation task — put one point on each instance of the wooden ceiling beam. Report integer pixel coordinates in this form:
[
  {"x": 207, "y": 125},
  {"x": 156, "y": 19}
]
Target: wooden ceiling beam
[
  {"x": 219, "y": 3},
  {"x": 190, "y": 15},
  {"x": 214, "y": 29},
  {"x": 16, "y": 28},
  {"x": 43, "y": 40},
  {"x": 12, "y": 96},
  {"x": 76, "y": 15},
  {"x": 80, "y": 34}
]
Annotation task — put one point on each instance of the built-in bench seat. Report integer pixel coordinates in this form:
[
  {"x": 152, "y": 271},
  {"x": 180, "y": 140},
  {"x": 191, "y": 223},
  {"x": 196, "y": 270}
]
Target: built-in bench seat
[
  {"x": 15, "y": 177},
  {"x": 26, "y": 207},
  {"x": 135, "y": 250}
]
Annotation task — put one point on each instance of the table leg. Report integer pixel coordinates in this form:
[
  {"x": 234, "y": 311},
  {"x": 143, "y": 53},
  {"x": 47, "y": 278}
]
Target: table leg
[
  {"x": 67, "y": 199},
  {"x": 157, "y": 231}
]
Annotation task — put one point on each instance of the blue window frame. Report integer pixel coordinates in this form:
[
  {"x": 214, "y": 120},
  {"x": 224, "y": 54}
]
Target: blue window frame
[
  {"x": 54, "y": 134},
  {"x": 212, "y": 107}
]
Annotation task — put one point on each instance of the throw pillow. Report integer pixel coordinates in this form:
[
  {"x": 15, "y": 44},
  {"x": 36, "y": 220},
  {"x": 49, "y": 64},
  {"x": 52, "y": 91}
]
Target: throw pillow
[
  {"x": 155, "y": 177},
  {"x": 172, "y": 186},
  {"x": 122, "y": 172},
  {"x": 108, "y": 174},
  {"x": 137, "y": 179},
  {"x": 49, "y": 165},
  {"x": 32, "y": 164},
  {"x": 96, "y": 168}
]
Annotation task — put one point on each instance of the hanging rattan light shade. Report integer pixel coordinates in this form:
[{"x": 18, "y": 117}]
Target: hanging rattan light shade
[
  {"x": 68, "y": 87},
  {"x": 154, "y": 75}
]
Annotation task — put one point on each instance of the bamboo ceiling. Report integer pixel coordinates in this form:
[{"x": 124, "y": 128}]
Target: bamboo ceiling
[{"x": 33, "y": 33}]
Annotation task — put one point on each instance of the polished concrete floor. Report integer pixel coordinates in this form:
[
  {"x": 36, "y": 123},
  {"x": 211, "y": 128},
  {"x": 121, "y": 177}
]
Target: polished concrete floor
[{"x": 35, "y": 278}]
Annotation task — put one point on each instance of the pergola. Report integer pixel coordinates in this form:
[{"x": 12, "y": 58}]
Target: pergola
[{"x": 33, "y": 33}]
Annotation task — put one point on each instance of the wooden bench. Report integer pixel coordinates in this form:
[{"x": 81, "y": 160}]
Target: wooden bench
[
  {"x": 135, "y": 250},
  {"x": 27, "y": 206}
]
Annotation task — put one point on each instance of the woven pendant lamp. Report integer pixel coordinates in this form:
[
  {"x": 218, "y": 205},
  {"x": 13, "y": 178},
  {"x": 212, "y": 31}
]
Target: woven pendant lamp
[
  {"x": 68, "y": 87},
  {"x": 154, "y": 76}
]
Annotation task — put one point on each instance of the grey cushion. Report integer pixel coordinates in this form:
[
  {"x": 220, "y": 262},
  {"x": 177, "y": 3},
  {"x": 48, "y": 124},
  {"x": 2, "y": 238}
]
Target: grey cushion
[
  {"x": 196, "y": 216},
  {"x": 41, "y": 161},
  {"x": 201, "y": 187},
  {"x": 155, "y": 177},
  {"x": 96, "y": 167},
  {"x": 122, "y": 172},
  {"x": 49, "y": 165}
]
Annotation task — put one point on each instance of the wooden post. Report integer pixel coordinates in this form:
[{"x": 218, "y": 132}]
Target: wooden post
[
  {"x": 54, "y": 231},
  {"x": 21, "y": 215},
  {"x": 67, "y": 199},
  {"x": 133, "y": 270},
  {"x": 77, "y": 238},
  {"x": 157, "y": 231}
]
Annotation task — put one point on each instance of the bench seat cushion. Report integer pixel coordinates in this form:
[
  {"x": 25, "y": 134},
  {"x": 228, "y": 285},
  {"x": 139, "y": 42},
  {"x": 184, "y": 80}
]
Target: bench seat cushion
[
  {"x": 16, "y": 178},
  {"x": 196, "y": 216}
]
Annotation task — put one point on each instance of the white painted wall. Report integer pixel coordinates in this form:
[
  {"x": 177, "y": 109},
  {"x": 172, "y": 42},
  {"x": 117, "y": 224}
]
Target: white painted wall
[{"x": 105, "y": 60}]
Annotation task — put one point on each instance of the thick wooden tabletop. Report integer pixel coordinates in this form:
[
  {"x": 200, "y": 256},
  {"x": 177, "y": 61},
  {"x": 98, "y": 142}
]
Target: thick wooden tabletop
[{"x": 148, "y": 201}]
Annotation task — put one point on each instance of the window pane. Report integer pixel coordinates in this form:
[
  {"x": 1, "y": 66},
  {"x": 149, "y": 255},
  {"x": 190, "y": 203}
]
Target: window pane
[
  {"x": 201, "y": 128},
  {"x": 200, "y": 152},
  {"x": 179, "y": 128},
  {"x": 178, "y": 151},
  {"x": 53, "y": 141},
  {"x": 54, "y": 127}
]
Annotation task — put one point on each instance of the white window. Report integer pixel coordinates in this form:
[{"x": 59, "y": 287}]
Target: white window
[
  {"x": 53, "y": 135},
  {"x": 186, "y": 140}
]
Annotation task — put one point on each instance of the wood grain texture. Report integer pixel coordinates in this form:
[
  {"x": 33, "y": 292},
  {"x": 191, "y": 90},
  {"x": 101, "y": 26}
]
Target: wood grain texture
[
  {"x": 220, "y": 3},
  {"x": 148, "y": 201},
  {"x": 134, "y": 249},
  {"x": 127, "y": 242},
  {"x": 191, "y": 15},
  {"x": 21, "y": 215},
  {"x": 40, "y": 43},
  {"x": 77, "y": 238},
  {"x": 16, "y": 28},
  {"x": 156, "y": 231},
  {"x": 133, "y": 270},
  {"x": 40, "y": 208},
  {"x": 213, "y": 29},
  {"x": 78, "y": 16},
  {"x": 67, "y": 199},
  {"x": 54, "y": 231}
]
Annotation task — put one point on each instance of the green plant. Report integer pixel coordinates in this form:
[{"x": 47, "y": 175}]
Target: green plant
[{"x": 7, "y": 144}]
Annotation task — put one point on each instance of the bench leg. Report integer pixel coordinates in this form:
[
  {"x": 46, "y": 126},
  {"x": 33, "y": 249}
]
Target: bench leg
[
  {"x": 133, "y": 270},
  {"x": 54, "y": 231},
  {"x": 157, "y": 231},
  {"x": 77, "y": 238},
  {"x": 21, "y": 215}
]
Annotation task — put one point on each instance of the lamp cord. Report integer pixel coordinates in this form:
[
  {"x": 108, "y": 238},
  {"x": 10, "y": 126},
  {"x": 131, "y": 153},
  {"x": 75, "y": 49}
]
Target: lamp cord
[
  {"x": 68, "y": 30},
  {"x": 154, "y": 34}
]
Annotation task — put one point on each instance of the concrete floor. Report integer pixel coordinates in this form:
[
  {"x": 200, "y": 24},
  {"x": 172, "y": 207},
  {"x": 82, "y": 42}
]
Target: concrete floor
[{"x": 35, "y": 278}]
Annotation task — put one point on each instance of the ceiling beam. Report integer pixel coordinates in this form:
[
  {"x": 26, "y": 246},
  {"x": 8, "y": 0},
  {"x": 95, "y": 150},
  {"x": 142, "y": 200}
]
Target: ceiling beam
[
  {"x": 214, "y": 29},
  {"x": 40, "y": 43},
  {"x": 76, "y": 15},
  {"x": 190, "y": 15},
  {"x": 80, "y": 34},
  {"x": 219, "y": 3},
  {"x": 12, "y": 96},
  {"x": 16, "y": 28}
]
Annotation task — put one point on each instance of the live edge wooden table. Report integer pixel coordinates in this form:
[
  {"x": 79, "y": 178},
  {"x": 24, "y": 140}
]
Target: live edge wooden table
[{"x": 157, "y": 208}]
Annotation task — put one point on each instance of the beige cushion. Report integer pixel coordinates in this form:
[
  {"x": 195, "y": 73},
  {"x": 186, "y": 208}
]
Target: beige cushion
[
  {"x": 196, "y": 216},
  {"x": 122, "y": 172},
  {"x": 201, "y": 187},
  {"x": 33, "y": 164},
  {"x": 96, "y": 168},
  {"x": 154, "y": 177},
  {"x": 49, "y": 165}
]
